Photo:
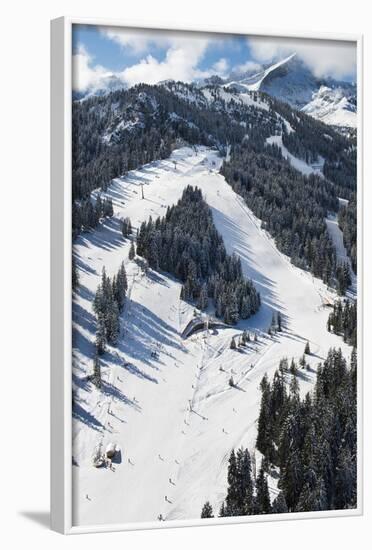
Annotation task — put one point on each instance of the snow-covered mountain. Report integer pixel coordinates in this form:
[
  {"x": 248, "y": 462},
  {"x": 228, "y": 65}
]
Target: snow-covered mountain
[
  {"x": 254, "y": 82},
  {"x": 291, "y": 81},
  {"x": 105, "y": 85},
  {"x": 288, "y": 80},
  {"x": 333, "y": 107}
]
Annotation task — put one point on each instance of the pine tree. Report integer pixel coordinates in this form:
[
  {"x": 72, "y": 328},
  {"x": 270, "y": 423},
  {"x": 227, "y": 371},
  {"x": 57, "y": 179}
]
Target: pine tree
[
  {"x": 232, "y": 343},
  {"x": 222, "y": 513},
  {"x": 274, "y": 322},
  {"x": 264, "y": 441},
  {"x": 293, "y": 368},
  {"x": 307, "y": 348},
  {"x": 203, "y": 298},
  {"x": 96, "y": 377},
  {"x": 262, "y": 499},
  {"x": 108, "y": 210},
  {"x": 100, "y": 336},
  {"x": 75, "y": 275},
  {"x": 279, "y": 320},
  {"x": 283, "y": 368},
  {"x": 231, "y": 507},
  {"x": 132, "y": 251},
  {"x": 291, "y": 479},
  {"x": 121, "y": 287},
  {"x": 312, "y": 499},
  {"x": 207, "y": 511},
  {"x": 126, "y": 227},
  {"x": 113, "y": 325},
  {"x": 294, "y": 388},
  {"x": 246, "y": 483},
  {"x": 279, "y": 504}
]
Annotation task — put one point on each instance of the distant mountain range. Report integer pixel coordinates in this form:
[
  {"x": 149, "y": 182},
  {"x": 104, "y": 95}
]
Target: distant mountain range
[{"x": 289, "y": 80}]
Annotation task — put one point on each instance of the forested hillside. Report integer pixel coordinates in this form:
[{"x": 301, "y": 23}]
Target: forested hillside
[
  {"x": 128, "y": 128},
  {"x": 343, "y": 321},
  {"x": 347, "y": 220},
  {"x": 292, "y": 206},
  {"x": 311, "y": 442},
  {"x": 186, "y": 243}
]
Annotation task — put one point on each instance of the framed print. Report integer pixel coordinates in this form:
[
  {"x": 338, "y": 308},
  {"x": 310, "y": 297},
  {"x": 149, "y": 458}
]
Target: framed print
[{"x": 206, "y": 276}]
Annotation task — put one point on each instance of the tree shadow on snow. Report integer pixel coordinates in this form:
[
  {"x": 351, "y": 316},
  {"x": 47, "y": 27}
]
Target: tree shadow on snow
[
  {"x": 83, "y": 318},
  {"x": 79, "y": 413},
  {"x": 82, "y": 265},
  {"x": 130, "y": 367},
  {"x": 106, "y": 236},
  {"x": 110, "y": 390},
  {"x": 146, "y": 330}
]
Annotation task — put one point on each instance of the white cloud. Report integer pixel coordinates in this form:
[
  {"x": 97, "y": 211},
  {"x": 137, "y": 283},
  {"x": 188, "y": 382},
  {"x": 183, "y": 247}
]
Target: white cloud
[
  {"x": 323, "y": 57},
  {"x": 136, "y": 40},
  {"x": 221, "y": 66},
  {"x": 84, "y": 74},
  {"x": 248, "y": 66},
  {"x": 180, "y": 63}
]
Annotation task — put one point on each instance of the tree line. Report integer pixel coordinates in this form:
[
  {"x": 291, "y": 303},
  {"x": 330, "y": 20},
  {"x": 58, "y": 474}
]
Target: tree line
[
  {"x": 247, "y": 494},
  {"x": 185, "y": 243},
  {"x": 108, "y": 303},
  {"x": 86, "y": 213},
  {"x": 343, "y": 321},
  {"x": 126, "y": 129},
  {"x": 347, "y": 221},
  {"x": 312, "y": 140},
  {"x": 311, "y": 442},
  {"x": 291, "y": 206}
]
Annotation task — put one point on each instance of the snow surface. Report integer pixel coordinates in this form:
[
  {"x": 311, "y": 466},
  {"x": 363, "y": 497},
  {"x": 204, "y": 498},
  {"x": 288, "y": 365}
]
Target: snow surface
[
  {"x": 175, "y": 418},
  {"x": 331, "y": 106},
  {"x": 298, "y": 164}
]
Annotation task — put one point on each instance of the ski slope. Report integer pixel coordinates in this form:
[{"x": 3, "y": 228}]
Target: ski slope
[
  {"x": 173, "y": 414},
  {"x": 297, "y": 163},
  {"x": 341, "y": 252}
]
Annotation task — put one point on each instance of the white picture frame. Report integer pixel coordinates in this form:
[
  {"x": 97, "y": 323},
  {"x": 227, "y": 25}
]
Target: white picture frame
[{"x": 61, "y": 324}]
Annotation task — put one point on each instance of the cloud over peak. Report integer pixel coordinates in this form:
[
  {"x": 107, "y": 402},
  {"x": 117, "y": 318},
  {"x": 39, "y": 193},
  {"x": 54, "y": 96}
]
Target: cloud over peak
[{"x": 325, "y": 58}]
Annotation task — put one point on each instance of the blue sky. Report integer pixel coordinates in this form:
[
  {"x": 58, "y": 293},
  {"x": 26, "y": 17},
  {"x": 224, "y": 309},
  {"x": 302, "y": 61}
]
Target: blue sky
[
  {"x": 150, "y": 56},
  {"x": 115, "y": 57}
]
